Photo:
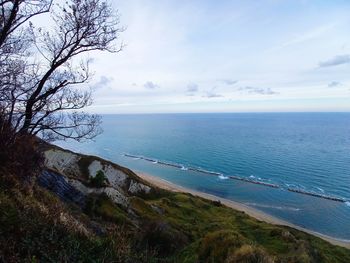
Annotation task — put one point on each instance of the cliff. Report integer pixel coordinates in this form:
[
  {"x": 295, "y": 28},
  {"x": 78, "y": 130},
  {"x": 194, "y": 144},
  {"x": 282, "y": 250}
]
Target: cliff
[{"x": 86, "y": 209}]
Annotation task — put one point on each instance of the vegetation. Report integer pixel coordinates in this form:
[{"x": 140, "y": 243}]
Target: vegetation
[
  {"x": 40, "y": 228},
  {"x": 100, "y": 180},
  {"x": 43, "y": 69},
  {"x": 173, "y": 227},
  {"x": 219, "y": 234},
  {"x": 160, "y": 226}
]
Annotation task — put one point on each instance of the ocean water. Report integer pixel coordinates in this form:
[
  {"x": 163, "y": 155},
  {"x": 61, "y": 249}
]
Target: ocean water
[{"x": 308, "y": 152}]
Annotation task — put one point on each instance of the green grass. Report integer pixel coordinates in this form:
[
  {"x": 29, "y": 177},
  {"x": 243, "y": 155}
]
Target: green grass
[
  {"x": 32, "y": 230},
  {"x": 216, "y": 232},
  {"x": 159, "y": 227}
]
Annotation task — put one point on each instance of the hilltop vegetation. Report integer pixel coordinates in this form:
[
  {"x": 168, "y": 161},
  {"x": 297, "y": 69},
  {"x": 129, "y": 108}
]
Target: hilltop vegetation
[{"x": 145, "y": 224}]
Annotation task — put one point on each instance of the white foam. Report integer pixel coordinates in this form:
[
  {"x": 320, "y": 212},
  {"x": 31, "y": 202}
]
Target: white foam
[
  {"x": 155, "y": 162},
  {"x": 183, "y": 168},
  {"x": 252, "y": 176},
  {"x": 274, "y": 207},
  {"x": 320, "y": 189},
  {"x": 347, "y": 203},
  {"x": 222, "y": 177}
]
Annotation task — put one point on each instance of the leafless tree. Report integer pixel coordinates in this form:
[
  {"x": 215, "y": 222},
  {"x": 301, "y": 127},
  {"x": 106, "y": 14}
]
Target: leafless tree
[
  {"x": 13, "y": 36},
  {"x": 44, "y": 92},
  {"x": 15, "y": 13}
]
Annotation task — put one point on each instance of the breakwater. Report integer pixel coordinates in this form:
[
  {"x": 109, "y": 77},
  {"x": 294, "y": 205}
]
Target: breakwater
[
  {"x": 238, "y": 178},
  {"x": 333, "y": 198}
]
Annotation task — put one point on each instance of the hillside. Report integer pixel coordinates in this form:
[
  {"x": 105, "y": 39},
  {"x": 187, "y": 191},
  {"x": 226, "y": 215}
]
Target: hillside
[{"x": 86, "y": 209}]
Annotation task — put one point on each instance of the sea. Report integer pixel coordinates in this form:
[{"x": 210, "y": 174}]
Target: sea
[{"x": 293, "y": 166}]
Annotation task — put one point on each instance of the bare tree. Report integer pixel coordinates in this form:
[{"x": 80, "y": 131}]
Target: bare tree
[
  {"x": 14, "y": 46},
  {"x": 44, "y": 93},
  {"x": 14, "y": 13}
]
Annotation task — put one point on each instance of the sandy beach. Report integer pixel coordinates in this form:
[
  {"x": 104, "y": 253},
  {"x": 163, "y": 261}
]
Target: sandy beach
[{"x": 161, "y": 183}]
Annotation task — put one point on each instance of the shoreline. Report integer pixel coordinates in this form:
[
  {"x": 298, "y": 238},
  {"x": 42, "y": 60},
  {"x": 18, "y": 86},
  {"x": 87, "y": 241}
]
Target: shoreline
[{"x": 257, "y": 214}]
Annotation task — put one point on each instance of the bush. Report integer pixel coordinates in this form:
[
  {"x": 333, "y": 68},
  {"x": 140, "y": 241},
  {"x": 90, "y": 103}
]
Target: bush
[
  {"x": 100, "y": 180},
  {"x": 215, "y": 246},
  {"x": 102, "y": 206},
  {"x": 20, "y": 156},
  {"x": 249, "y": 254},
  {"x": 216, "y": 203},
  {"x": 159, "y": 236}
]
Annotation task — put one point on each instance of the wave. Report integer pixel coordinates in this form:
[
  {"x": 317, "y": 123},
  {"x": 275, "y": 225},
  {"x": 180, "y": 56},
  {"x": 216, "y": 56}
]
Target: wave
[
  {"x": 299, "y": 189},
  {"x": 320, "y": 189},
  {"x": 200, "y": 170},
  {"x": 287, "y": 208},
  {"x": 249, "y": 180}
]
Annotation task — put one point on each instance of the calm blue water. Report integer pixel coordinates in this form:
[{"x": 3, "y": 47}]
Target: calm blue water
[{"x": 309, "y": 151}]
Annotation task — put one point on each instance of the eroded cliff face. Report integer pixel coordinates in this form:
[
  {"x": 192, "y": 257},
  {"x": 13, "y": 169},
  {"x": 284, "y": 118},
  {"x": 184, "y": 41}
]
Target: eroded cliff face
[{"x": 68, "y": 175}]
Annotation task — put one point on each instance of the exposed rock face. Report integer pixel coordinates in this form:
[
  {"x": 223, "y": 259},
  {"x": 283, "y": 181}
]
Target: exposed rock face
[
  {"x": 115, "y": 177},
  {"x": 59, "y": 185},
  {"x": 64, "y": 162},
  {"x": 116, "y": 195},
  {"x": 136, "y": 187},
  {"x": 65, "y": 177}
]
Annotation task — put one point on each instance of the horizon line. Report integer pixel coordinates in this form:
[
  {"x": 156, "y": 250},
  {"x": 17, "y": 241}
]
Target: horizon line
[{"x": 236, "y": 112}]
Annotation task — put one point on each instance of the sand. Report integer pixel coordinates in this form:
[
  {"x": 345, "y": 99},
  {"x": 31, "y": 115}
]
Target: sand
[{"x": 161, "y": 183}]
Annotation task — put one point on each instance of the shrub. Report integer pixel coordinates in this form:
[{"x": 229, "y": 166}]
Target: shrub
[
  {"x": 249, "y": 254},
  {"x": 100, "y": 180},
  {"x": 20, "y": 156},
  {"x": 215, "y": 246},
  {"x": 216, "y": 203},
  {"x": 102, "y": 206},
  {"x": 159, "y": 236}
]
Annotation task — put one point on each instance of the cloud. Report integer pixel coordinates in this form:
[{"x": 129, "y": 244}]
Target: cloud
[
  {"x": 261, "y": 91},
  {"x": 337, "y": 60},
  {"x": 103, "y": 82},
  {"x": 229, "y": 81},
  {"x": 192, "y": 87},
  {"x": 150, "y": 85},
  {"x": 333, "y": 84},
  {"x": 211, "y": 95}
]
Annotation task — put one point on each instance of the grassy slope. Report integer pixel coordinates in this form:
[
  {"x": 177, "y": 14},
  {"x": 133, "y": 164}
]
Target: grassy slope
[
  {"x": 182, "y": 228},
  {"x": 216, "y": 232},
  {"x": 159, "y": 227}
]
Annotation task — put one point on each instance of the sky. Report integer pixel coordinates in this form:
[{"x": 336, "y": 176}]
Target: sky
[{"x": 226, "y": 56}]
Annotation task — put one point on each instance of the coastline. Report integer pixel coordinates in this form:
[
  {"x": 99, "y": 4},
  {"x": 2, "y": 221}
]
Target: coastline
[{"x": 257, "y": 214}]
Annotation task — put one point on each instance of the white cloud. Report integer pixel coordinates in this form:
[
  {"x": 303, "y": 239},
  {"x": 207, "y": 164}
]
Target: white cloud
[
  {"x": 229, "y": 81},
  {"x": 336, "y": 61},
  {"x": 333, "y": 84},
  {"x": 150, "y": 85},
  {"x": 256, "y": 90},
  {"x": 187, "y": 47},
  {"x": 192, "y": 87}
]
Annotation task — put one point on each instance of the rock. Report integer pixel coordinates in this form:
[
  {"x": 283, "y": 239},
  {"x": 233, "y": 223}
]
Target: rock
[
  {"x": 63, "y": 161},
  {"x": 59, "y": 185},
  {"x": 64, "y": 177},
  {"x": 136, "y": 187},
  {"x": 116, "y": 195},
  {"x": 115, "y": 177},
  {"x": 158, "y": 209},
  {"x": 94, "y": 167}
]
